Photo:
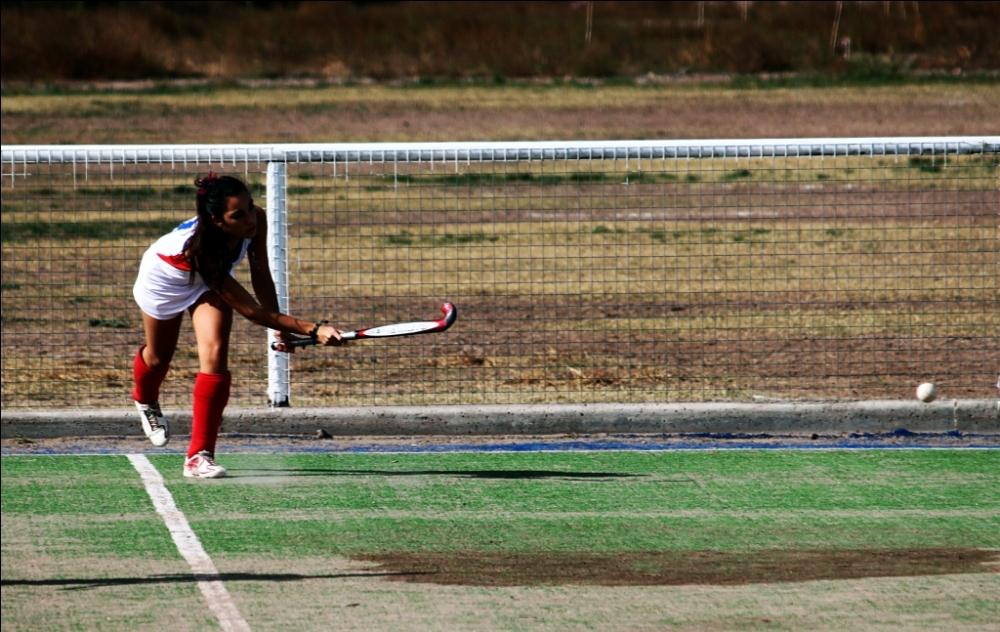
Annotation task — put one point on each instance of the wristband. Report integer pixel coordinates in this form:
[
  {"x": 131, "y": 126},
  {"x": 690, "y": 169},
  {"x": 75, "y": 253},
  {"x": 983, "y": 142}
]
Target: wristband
[{"x": 315, "y": 330}]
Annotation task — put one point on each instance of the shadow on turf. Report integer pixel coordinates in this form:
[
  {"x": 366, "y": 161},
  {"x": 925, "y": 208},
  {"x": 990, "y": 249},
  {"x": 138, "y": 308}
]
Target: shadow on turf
[
  {"x": 675, "y": 568},
  {"x": 632, "y": 568},
  {"x": 88, "y": 584},
  {"x": 484, "y": 474}
]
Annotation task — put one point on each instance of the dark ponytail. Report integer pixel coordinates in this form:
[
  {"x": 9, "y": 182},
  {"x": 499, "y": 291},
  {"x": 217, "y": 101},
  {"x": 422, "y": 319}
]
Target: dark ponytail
[{"x": 206, "y": 249}]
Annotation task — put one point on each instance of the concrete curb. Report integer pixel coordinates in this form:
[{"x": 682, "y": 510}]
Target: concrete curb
[{"x": 976, "y": 416}]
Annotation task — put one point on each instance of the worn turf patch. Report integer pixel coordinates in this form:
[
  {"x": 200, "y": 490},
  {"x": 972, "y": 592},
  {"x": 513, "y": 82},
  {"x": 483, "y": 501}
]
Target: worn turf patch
[{"x": 676, "y": 568}]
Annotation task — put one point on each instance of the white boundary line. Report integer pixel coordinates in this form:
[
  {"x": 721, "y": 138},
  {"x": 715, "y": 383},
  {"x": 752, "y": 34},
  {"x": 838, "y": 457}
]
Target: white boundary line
[{"x": 219, "y": 599}]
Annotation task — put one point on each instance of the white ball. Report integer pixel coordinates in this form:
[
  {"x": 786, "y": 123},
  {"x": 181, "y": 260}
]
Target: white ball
[{"x": 927, "y": 392}]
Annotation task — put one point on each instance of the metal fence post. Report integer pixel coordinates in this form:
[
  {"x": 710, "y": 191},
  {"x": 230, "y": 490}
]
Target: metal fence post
[{"x": 277, "y": 257}]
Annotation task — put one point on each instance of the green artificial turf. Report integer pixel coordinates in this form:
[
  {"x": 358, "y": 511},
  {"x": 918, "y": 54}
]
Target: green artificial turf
[
  {"x": 349, "y": 504},
  {"x": 72, "y": 485},
  {"x": 685, "y": 540},
  {"x": 77, "y": 506},
  {"x": 610, "y": 501}
]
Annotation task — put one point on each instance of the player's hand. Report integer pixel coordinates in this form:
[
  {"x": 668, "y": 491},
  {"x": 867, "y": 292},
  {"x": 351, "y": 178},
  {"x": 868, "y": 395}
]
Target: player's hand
[
  {"x": 283, "y": 340},
  {"x": 329, "y": 336}
]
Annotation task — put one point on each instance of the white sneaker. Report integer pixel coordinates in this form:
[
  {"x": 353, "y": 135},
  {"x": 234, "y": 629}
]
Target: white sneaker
[
  {"x": 201, "y": 465},
  {"x": 154, "y": 424}
]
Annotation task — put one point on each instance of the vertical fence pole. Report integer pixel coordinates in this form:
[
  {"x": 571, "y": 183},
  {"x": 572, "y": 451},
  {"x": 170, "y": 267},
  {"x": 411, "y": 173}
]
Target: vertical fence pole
[{"x": 277, "y": 257}]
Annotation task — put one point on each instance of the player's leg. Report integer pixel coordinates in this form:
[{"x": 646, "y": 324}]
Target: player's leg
[
  {"x": 149, "y": 368},
  {"x": 213, "y": 321}
]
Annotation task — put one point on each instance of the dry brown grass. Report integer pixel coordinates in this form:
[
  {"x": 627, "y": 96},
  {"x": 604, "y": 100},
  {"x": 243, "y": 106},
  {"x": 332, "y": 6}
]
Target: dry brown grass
[{"x": 383, "y": 113}]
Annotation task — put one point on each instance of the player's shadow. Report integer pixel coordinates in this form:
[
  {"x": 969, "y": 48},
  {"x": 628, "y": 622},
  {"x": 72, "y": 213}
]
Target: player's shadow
[
  {"x": 481, "y": 474},
  {"x": 185, "y": 578}
]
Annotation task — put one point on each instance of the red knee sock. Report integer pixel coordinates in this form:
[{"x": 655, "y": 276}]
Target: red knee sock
[
  {"x": 147, "y": 380},
  {"x": 211, "y": 394}
]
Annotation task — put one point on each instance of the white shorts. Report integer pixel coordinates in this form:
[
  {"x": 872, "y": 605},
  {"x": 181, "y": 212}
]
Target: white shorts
[{"x": 163, "y": 291}]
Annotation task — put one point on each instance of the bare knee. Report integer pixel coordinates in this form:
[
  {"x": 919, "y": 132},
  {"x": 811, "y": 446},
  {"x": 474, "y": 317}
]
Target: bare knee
[
  {"x": 161, "y": 340},
  {"x": 213, "y": 356},
  {"x": 213, "y": 321},
  {"x": 156, "y": 358}
]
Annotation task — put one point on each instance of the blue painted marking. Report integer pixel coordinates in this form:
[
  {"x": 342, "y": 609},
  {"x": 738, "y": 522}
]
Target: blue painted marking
[{"x": 900, "y": 439}]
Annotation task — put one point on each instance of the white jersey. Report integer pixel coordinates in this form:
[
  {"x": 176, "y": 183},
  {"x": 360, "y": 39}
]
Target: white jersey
[{"x": 163, "y": 288}]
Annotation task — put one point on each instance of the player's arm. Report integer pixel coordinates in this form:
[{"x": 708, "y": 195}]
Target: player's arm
[
  {"x": 263, "y": 282},
  {"x": 240, "y": 300},
  {"x": 260, "y": 271}
]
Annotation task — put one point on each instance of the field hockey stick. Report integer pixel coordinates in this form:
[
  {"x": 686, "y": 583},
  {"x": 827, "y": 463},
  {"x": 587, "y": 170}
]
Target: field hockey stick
[{"x": 389, "y": 331}]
